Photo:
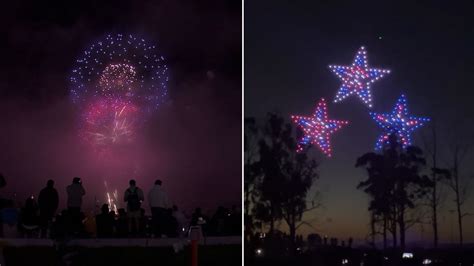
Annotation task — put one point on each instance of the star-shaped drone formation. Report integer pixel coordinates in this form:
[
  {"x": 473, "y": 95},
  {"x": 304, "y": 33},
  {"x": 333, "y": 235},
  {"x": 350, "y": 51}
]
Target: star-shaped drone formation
[
  {"x": 357, "y": 78},
  {"x": 318, "y": 128},
  {"x": 398, "y": 123}
]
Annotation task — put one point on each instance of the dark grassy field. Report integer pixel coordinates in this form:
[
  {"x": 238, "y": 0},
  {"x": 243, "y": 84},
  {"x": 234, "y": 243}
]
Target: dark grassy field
[
  {"x": 336, "y": 256},
  {"x": 118, "y": 256}
]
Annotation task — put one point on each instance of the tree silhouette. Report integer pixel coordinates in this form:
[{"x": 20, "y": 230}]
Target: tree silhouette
[
  {"x": 300, "y": 173},
  {"x": 460, "y": 144},
  {"x": 460, "y": 188},
  {"x": 379, "y": 186},
  {"x": 437, "y": 175},
  {"x": 287, "y": 177},
  {"x": 394, "y": 183},
  {"x": 252, "y": 171},
  {"x": 271, "y": 151}
]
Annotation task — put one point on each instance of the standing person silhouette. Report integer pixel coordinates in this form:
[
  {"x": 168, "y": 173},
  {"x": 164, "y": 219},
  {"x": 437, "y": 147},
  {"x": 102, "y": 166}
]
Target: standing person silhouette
[
  {"x": 48, "y": 201},
  {"x": 159, "y": 203},
  {"x": 133, "y": 196},
  {"x": 75, "y": 192}
]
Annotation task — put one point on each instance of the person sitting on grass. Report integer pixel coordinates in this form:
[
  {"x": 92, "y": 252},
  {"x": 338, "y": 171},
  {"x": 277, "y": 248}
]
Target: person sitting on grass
[
  {"x": 29, "y": 218},
  {"x": 104, "y": 222},
  {"x": 9, "y": 216},
  {"x": 121, "y": 223},
  {"x": 60, "y": 227}
]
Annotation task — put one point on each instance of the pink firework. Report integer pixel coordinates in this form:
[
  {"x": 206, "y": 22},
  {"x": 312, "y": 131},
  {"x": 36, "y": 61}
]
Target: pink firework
[
  {"x": 116, "y": 83},
  {"x": 119, "y": 65},
  {"x": 107, "y": 122}
]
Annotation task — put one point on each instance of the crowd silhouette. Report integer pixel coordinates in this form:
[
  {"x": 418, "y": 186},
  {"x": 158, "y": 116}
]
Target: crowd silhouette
[{"x": 40, "y": 218}]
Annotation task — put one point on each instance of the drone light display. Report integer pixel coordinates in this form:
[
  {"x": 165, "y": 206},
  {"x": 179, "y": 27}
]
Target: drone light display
[
  {"x": 317, "y": 129},
  {"x": 357, "y": 78},
  {"x": 397, "y": 123}
]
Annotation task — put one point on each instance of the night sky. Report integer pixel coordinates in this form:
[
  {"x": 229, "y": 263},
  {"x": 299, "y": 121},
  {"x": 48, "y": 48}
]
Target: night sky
[
  {"x": 193, "y": 143},
  {"x": 428, "y": 46}
]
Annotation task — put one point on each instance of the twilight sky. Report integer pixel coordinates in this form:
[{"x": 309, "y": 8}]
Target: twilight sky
[
  {"x": 183, "y": 143},
  {"x": 428, "y": 47}
]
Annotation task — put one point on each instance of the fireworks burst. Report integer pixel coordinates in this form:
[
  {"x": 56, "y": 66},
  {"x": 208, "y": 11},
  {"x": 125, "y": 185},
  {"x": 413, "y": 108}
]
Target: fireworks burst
[
  {"x": 112, "y": 199},
  {"x": 109, "y": 122},
  {"x": 118, "y": 80},
  {"x": 115, "y": 83},
  {"x": 122, "y": 66}
]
